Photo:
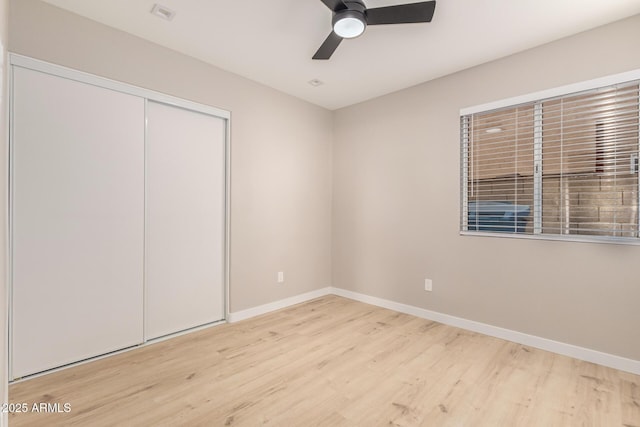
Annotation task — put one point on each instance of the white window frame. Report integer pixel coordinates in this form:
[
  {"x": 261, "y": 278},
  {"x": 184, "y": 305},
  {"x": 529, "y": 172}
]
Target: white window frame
[{"x": 536, "y": 97}]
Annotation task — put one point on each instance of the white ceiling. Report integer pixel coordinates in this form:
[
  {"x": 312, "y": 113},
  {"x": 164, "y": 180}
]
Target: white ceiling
[{"x": 272, "y": 41}]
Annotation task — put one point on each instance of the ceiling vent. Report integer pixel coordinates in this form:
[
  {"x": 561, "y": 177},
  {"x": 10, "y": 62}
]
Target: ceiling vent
[{"x": 163, "y": 12}]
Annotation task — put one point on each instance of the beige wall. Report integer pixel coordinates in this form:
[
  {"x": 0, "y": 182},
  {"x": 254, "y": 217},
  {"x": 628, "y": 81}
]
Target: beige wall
[
  {"x": 281, "y": 146},
  {"x": 396, "y": 208}
]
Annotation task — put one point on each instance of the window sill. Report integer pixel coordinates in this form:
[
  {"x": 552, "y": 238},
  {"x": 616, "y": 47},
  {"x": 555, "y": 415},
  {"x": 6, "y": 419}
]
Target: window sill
[{"x": 632, "y": 241}]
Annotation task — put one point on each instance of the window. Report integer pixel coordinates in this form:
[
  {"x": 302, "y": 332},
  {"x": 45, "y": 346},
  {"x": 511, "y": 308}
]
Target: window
[{"x": 564, "y": 165}]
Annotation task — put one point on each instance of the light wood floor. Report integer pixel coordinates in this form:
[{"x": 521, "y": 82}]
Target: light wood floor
[{"x": 334, "y": 362}]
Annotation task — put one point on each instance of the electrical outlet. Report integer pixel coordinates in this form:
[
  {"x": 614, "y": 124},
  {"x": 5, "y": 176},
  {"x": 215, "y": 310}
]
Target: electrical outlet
[
  {"x": 280, "y": 276},
  {"x": 428, "y": 285}
]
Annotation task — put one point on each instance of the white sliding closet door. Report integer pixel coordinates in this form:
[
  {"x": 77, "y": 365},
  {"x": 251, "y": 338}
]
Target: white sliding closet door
[
  {"x": 77, "y": 221},
  {"x": 185, "y": 219}
]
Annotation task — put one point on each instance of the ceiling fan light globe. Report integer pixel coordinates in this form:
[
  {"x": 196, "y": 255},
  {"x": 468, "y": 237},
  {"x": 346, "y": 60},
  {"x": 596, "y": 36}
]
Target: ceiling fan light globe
[{"x": 349, "y": 25}]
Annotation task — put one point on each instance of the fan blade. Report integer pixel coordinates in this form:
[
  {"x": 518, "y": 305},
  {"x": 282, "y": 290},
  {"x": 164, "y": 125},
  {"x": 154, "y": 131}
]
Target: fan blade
[
  {"x": 402, "y": 13},
  {"x": 328, "y": 47},
  {"x": 334, "y": 5}
]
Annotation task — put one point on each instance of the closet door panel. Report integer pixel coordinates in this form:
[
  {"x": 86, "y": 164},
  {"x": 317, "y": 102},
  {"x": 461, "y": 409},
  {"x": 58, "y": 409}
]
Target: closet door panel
[
  {"x": 185, "y": 219},
  {"x": 77, "y": 221}
]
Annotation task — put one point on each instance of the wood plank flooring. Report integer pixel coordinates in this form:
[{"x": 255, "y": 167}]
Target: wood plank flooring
[{"x": 333, "y": 362}]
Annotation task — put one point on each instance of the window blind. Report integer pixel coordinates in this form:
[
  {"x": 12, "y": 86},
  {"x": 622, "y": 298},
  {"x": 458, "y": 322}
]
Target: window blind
[{"x": 566, "y": 165}]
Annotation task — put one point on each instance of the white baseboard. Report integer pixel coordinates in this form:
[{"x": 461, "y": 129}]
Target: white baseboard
[
  {"x": 277, "y": 305},
  {"x": 581, "y": 353},
  {"x": 594, "y": 356}
]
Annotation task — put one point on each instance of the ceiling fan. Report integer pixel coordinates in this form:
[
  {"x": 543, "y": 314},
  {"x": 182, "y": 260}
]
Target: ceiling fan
[{"x": 351, "y": 17}]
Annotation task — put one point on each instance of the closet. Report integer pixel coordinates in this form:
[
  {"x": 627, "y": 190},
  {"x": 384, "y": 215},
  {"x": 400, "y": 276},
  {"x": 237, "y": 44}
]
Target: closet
[{"x": 117, "y": 216}]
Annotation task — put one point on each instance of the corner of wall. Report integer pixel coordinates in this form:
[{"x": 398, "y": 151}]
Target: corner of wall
[{"x": 4, "y": 137}]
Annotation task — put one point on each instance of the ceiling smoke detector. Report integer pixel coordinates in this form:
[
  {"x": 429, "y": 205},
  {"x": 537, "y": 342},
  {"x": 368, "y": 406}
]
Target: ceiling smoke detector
[{"x": 163, "y": 12}]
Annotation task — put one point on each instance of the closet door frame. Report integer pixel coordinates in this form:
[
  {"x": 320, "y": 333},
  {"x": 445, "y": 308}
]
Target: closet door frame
[{"x": 16, "y": 60}]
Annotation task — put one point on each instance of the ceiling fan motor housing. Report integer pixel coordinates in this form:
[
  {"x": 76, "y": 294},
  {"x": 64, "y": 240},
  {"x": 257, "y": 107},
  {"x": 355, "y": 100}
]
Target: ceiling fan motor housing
[{"x": 355, "y": 5}]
